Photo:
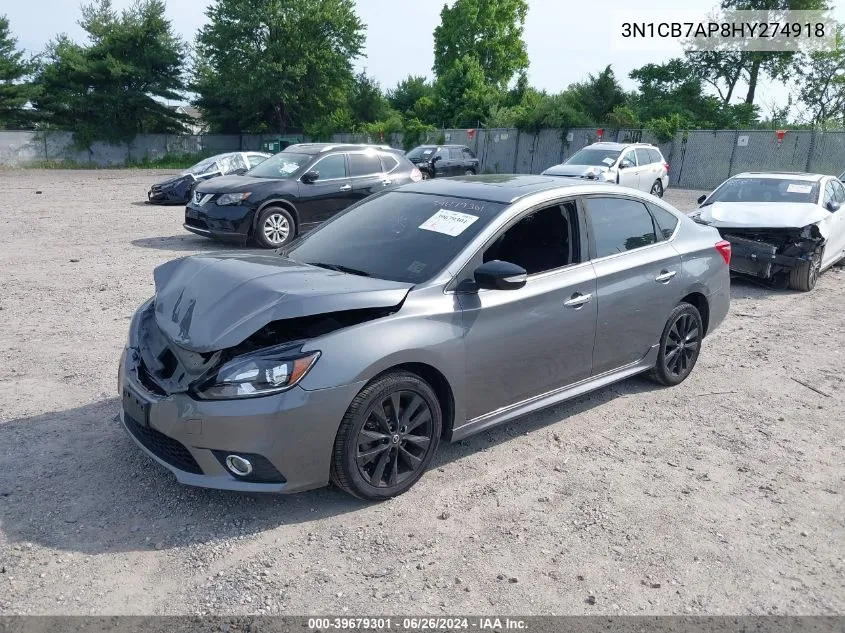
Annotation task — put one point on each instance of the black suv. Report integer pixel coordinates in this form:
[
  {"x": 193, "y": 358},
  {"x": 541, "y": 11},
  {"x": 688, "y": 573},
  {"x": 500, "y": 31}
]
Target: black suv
[
  {"x": 444, "y": 160},
  {"x": 293, "y": 191}
]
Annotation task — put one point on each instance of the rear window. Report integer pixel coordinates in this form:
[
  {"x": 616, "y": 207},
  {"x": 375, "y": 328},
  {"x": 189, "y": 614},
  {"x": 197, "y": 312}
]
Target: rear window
[
  {"x": 619, "y": 225},
  {"x": 644, "y": 157},
  {"x": 364, "y": 164},
  {"x": 468, "y": 153},
  {"x": 656, "y": 156},
  {"x": 666, "y": 222},
  {"x": 400, "y": 236},
  {"x": 765, "y": 190},
  {"x": 388, "y": 162}
]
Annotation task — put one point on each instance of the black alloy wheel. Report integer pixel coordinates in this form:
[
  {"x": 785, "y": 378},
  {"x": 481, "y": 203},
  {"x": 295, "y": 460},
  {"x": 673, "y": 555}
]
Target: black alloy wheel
[{"x": 680, "y": 345}]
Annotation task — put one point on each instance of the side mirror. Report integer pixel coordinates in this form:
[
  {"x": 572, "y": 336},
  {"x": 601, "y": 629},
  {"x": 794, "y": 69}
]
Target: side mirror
[
  {"x": 833, "y": 206},
  {"x": 435, "y": 159},
  {"x": 310, "y": 176},
  {"x": 499, "y": 275},
  {"x": 625, "y": 164},
  {"x": 701, "y": 199}
]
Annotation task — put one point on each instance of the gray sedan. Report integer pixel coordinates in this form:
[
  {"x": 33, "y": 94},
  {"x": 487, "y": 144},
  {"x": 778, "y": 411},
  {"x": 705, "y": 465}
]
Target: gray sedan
[{"x": 425, "y": 313}]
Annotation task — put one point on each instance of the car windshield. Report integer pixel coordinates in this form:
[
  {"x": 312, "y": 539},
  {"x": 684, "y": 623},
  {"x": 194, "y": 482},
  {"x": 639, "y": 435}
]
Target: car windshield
[
  {"x": 765, "y": 190},
  {"x": 205, "y": 166},
  {"x": 594, "y": 156},
  {"x": 281, "y": 165},
  {"x": 400, "y": 236},
  {"x": 421, "y": 152}
]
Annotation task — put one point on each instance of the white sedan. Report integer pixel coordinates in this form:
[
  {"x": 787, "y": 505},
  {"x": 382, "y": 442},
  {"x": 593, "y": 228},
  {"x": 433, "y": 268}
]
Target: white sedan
[{"x": 784, "y": 228}]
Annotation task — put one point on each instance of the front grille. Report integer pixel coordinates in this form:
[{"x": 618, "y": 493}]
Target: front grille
[
  {"x": 262, "y": 470},
  {"x": 165, "y": 448},
  {"x": 200, "y": 224}
]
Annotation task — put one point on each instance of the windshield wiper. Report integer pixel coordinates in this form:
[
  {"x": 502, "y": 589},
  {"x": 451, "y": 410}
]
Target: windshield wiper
[{"x": 340, "y": 269}]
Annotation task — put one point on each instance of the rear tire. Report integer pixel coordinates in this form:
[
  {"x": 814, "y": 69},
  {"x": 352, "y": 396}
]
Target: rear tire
[
  {"x": 680, "y": 345},
  {"x": 275, "y": 228},
  {"x": 657, "y": 189},
  {"x": 804, "y": 276},
  {"x": 387, "y": 437}
]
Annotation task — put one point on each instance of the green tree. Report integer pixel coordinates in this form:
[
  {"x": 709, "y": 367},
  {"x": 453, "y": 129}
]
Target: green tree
[
  {"x": 488, "y": 31},
  {"x": 600, "y": 94},
  {"x": 114, "y": 87},
  {"x": 779, "y": 64},
  {"x": 367, "y": 103},
  {"x": 463, "y": 96},
  {"x": 275, "y": 65},
  {"x": 822, "y": 84},
  {"x": 408, "y": 92},
  {"x": 15, "y": 70}
]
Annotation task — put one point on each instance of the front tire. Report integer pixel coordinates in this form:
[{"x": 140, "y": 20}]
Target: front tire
[
  {"x": 804, "y": 276},
  {"x": 275, "y": 228},
  {"x": 469, "y": 172},
  {"x": 387, "y": 438},
  {"x": 680, "y": 345}
]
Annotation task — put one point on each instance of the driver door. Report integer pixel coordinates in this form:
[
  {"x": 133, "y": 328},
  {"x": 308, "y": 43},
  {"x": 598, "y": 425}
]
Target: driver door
[
  {"x": 532, "y": 340},
  {"x": 835, "y": 249}
]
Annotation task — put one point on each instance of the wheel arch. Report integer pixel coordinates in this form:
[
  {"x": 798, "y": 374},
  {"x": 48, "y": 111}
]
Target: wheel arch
[
  {"x": 287, "y": 205},
  {"x": 699, "y": 300}
]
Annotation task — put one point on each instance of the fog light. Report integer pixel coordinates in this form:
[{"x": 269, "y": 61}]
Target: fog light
[{"x": 238, "y": 465}]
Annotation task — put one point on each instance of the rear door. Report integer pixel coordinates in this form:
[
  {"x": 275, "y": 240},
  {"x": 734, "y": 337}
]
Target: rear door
[
  {"x": 835, "y": 247},
  {"x": 365, "y": 170},
  {"x": 443, "y": 164},
  {"x": 636, "y": 276},
  {"x": 629, "y": 176},
  {"x": 330, "y": 193},
  {"x": 469, "y": 160},
  {"x": 647, "y": 169}
]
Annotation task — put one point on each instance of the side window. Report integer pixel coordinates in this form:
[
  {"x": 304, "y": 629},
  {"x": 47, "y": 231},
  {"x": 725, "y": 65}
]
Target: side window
[
  {"x": 331, "y": 167},
  {"x": 665, "y": 221},
  {"x": 238, "y": 162},
  {"x": 629, "y": 156},
  {"x": 828, "y": 193},
  {"x": 254, "y": 159},
  {"x": 838, "y": 191},
  {"x": 454, "y": 153},
  {"x": 545, "y": 240},
  {"x": 619, "y": 225},
  {"x": 388, "y": 163},
  {"x": 644, "y": 156},
  {"x": 467, "y": 154},
  {"x": 364, "y": 165},
  {"x": 441, "y": 153}
]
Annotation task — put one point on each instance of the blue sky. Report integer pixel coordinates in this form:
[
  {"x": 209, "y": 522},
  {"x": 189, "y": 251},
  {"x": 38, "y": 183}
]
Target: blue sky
[{"x": 565, "y": 40}]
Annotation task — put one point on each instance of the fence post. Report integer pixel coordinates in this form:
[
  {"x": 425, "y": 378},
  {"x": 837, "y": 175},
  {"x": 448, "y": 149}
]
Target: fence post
[
  {"x": 516, "y": 151},
  {"x": 810, "y": 150},
  {"x": 733, "y": 151},
  {"x": 46, "y": 155}
]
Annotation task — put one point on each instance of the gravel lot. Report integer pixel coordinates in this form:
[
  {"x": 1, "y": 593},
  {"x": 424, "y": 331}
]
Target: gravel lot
[{"x": 721, "y": 496}]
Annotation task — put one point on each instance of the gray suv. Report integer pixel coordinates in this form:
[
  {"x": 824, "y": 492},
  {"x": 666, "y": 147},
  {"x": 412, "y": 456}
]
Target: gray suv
[
  {"x": 425, "y": 313},
  {"x": 636, "y": 165}
]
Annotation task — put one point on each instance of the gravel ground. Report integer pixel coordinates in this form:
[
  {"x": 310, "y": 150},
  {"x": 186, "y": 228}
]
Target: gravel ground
[{"x": 720, "y": 496}]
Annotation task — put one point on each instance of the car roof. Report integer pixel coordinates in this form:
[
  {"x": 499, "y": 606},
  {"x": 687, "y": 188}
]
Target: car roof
[
  {"x": 784, "y": 175},
  {"x": 620, "y": 146},
  {"x": 319, "y": 148},
  {"x": 443, "y": 145},
  {"x": 504, "y": 188}
]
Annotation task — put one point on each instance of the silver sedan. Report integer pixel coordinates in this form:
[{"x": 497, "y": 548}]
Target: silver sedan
[{"x": 421, "y": 314}]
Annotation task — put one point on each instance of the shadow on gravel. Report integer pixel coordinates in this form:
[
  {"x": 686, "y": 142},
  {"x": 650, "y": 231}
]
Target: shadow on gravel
[
  {"x": 74, "y": 481},
  {"x": 189, "y": 242}
]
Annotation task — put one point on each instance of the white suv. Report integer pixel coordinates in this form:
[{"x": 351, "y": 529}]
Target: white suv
[{"x": 636, "y": 165}]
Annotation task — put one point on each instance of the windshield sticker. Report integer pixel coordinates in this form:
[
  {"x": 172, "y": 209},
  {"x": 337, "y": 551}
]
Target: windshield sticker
[
  {"x": 451, "y": 223},
  {"x": 288, "y": 168},
  {"x": 793, "y": 188},
  {"x": 416, "y": 267},
  {"x": 608, "y": 160}
]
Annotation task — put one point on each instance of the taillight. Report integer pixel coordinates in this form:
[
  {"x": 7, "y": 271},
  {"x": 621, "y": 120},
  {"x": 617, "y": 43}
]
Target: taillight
[
  {"x": 666, "y": 165},
  {"x": 416, "y": 175},
  {"x": 724, "y": 248}
]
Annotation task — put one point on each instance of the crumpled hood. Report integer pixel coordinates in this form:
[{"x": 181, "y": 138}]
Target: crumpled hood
[
  {"x": 762, "y": 215},
  {"x": 574, "y": 170},
  {"x": 210, "y": 302},
  {"x": 172, "y": 180}
]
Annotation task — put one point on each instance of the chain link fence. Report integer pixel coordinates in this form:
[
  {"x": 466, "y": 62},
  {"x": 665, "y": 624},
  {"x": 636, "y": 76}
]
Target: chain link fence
[{"x": 699, "y": 159}]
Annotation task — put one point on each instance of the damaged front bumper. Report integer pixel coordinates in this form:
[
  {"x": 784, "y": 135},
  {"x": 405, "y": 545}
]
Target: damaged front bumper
[
  {"x": 287, "y": 437},
  {"x": 771, "y": 253}
]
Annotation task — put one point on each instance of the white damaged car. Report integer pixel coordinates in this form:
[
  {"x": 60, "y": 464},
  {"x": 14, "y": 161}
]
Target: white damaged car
[{"x": 784, "y": 228}]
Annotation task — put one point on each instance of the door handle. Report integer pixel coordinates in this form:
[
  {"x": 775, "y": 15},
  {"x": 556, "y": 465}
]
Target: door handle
[
  {"x": 346, "y": 188},
  {"x": 577, "y": 300},
  {"x": 665, "y": 276}
]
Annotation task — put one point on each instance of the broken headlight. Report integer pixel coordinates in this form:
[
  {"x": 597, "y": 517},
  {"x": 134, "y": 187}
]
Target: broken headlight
[{"x": 263, "y": 373}]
